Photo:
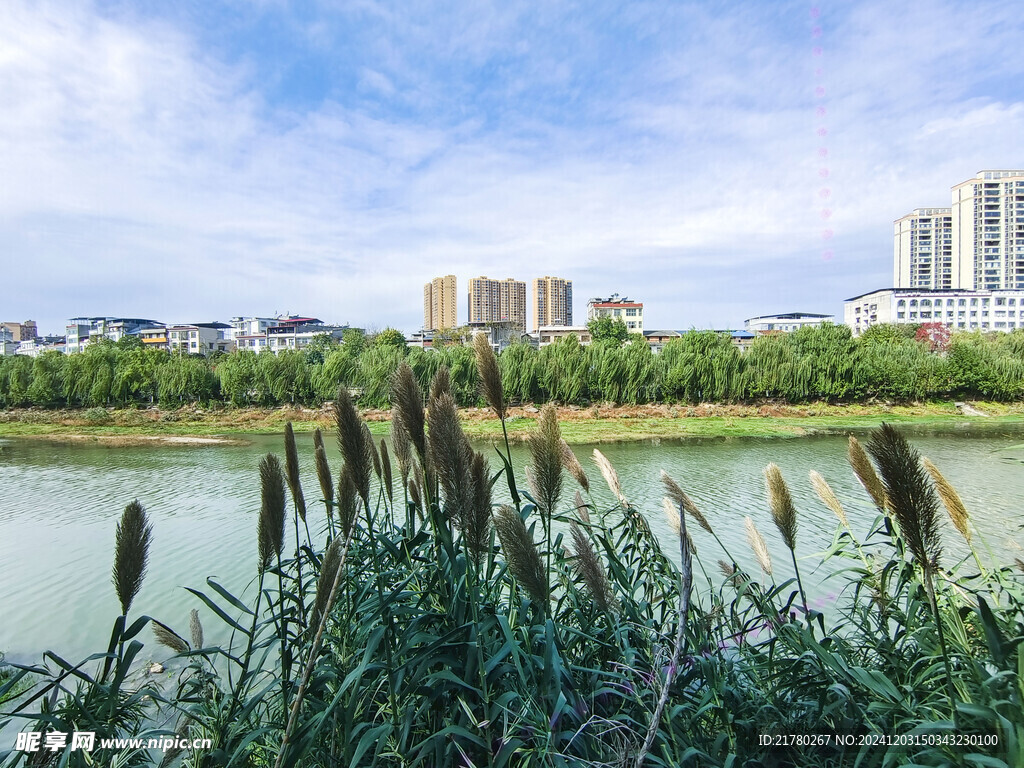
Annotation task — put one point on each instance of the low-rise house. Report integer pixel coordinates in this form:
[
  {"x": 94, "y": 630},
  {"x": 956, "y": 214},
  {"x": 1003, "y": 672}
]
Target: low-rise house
[
  {"x": 298, "y": 332},
  {"x": 618, "y": 308},
  {"x": 80, "y": 331},
  {"x": 659, "y": 338},
  {"x": 40, "y": 344},
  {"x": 199, "y": 339},
  {"x": 549, "y": 334},
  {"x": 785, "y": 323}
]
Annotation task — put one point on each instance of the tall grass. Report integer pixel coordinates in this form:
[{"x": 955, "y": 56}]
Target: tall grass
[{"x": 432, "y": 627}]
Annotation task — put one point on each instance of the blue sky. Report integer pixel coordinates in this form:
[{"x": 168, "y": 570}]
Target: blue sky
[{"x": 193, "y": 161}]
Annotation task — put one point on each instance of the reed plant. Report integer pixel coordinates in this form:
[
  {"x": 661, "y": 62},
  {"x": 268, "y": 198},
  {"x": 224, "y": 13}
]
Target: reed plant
[{"x": 440, "y": 627}]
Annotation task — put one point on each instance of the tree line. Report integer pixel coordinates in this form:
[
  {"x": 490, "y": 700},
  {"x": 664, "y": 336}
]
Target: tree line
[{"x": 893, "y": 363}]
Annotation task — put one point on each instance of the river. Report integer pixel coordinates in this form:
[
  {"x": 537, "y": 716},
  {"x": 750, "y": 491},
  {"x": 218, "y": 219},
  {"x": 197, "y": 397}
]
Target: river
[{"x": 59, "y": 505}]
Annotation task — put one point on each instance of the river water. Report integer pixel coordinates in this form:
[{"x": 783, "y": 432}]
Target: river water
[{"x": 59, "y": 505}]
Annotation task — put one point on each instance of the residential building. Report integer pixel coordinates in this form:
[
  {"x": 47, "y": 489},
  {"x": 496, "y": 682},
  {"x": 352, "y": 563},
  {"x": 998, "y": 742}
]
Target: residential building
[
  {"x": 552, "y": 302},
  {"x": 80, "y": 331},
  {"x": 988, "y": 231},
  {"x": 500, "y": 335},
  {"x": 39, "y": 344},
  {"x": 155, "y": 338},
  {"x": 199, "y": 339},
  {"x": 618, "y": 308},
  {"x": 960, "y": 310},
  {"x": 21, "y": 331},
  {"x": 297, "y": 332},
  {"x": 659, "y": 338},
  {"x": 549, "y": 334},
  {"x": 924, "y": 256},
  {"x": 251, "y": 327},
  {"x": 497, "y": 301},
  {"x": 784, "y": 323},
  {"x": 439, "y": 304},
  {"x": 8, "y": 346}
]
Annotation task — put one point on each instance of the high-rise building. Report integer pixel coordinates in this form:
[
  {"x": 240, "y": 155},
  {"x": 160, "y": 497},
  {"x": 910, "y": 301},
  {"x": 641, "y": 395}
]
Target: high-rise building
[
  {"x": 497, "y": 301},
  {"x": 988, "y": 230},
  {"x": 439, "y": 304},
  {"x": 923, "y": 250},
  {"x": 618, "y": 308},
  {"x": 552, "y": 302}
]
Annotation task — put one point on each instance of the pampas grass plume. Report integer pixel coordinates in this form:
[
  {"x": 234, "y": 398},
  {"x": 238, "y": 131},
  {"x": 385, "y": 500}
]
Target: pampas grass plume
[
  {"x": 610, "y": 476},
  {"x": 676, "y": 493},
  {"x": 829, "y": 498},
  {"x": 950, "y": 500},
  {"x": 291, "y": 465},
  {"x": 490, "y": 375},
  {"x": 131, "y": 553},
  {"x": 781, "y": 503},
  {"x": 757, "y": 544}
]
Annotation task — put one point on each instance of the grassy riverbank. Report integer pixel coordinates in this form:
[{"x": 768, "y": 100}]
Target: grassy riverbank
[{"x": 595, "y": 424}]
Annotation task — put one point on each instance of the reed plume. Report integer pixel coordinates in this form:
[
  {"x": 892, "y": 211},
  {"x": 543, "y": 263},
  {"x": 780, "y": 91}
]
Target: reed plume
[
  {"x": 323, "y": 474},
  {"x": 678, "y": 496},
  {"x": 728, "y": 569},
  {"x": 588, "y": 567},
  {"x": 441, "y": 384},
  {"x": 368, "y": 439},
  {"x": 490, "y": 376},
  {"x": 328, "y": 575},
  {"x": 546, "y": 455},
  {"x": 347, "y": 502},
  {"x": 403, "y": 448},
  {"x": 671, "y": 510},
  {"x": 167, "y": 636},
  {"x": 450, "y": 456},
  {"x": 758, "y": 545},
  {"x": 415, "y": 495},
  {"x": 531, "y": 483},
  {"x": 521, "y": 554},
  {"x": 611, "y": 477},
  {"x": 131, "y": 553},
  {"x": 407, "y": 410},
  {"x": 291, "y": 466},
  {"x": 781, "y": 504},
  {"x": 476, "y": 524},
  {"x": 355, "y": 448},
  {"x": 196, "y": 629},
  {"x": 271, "y": 523},
  {"x": 829, "y": 498},
  {"x": 910, "y": 495},
  {"x": 573, "y": 467},
  {"x": 582, "y": 509},
  {"x": 865, "y": 472},
  {"x": 385, "y": 463},
  {"x": 950, "y": 500}
]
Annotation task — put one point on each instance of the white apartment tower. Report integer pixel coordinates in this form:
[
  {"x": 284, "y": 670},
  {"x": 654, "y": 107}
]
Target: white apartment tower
[
  {"x": 988, "y": 230},
  {"x": 923, "y": 249}
]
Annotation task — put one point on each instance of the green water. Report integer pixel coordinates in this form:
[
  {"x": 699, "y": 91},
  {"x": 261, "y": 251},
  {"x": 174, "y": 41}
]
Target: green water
[{"x": 59, "y": 506}]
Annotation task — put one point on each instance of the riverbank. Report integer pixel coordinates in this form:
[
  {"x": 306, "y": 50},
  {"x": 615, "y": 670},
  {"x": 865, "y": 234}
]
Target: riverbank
[{"x": 594, "y": 424}]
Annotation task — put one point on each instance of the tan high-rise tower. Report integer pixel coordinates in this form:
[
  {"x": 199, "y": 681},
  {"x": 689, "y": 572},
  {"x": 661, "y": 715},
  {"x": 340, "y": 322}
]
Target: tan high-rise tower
[
  {"x": 439, "y": 304},
  {"x": 552, "y": 301},
  {"x": 497, "y": 301}
]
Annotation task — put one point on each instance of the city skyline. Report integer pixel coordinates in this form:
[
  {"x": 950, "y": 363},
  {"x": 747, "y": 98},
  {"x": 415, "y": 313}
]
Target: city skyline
[{"x": 194, "y": 162}]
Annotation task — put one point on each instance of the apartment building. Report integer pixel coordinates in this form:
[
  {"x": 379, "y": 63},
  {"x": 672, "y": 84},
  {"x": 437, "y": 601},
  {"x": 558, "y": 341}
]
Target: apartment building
[
  {"x": 961, "y": 310},
  {"x": 552, "y": 302},
  {"x": 199, "y": 338},
  {"x": 497, "y": 301},
  {"x": 439, "y": 304},
  {"x": 80, "y": 331},
  {"x": 988, "y": 230},
  {"x": 299, "y": 332},
  {"x": 924, "y": 256},
  {"x": 785, "y": 323},
  {"x": 21, "y": 331},
  {"x": 618, "y": 308}
]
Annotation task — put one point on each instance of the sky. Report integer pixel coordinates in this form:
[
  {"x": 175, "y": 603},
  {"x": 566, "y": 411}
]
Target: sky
[{"x": 198, "y": 160}]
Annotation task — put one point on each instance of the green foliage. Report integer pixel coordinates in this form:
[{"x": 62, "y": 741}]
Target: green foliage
[
  {"x": 604, "y": 329},
  {"x": 823, "y": 363}
]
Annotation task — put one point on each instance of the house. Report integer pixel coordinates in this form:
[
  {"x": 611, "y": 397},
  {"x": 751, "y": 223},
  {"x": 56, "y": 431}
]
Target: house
[
  {"x": 618, "y": 308},
  {"x": 199, "y": 339},
  {"x": 790, "y": 321}
]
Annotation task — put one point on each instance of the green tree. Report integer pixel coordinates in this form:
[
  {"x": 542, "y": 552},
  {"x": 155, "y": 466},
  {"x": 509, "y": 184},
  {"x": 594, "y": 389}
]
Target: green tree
[
  {"x": 390, "y": 337},
  {"x": 605, "y": 329}
]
